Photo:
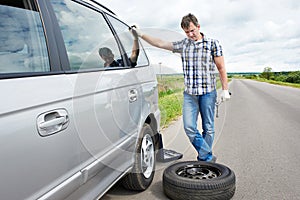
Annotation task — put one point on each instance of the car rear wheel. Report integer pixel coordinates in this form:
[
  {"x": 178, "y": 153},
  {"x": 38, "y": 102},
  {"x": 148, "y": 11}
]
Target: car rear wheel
[
  {"x": 142, "y": 173},
  {"x": 198, "y": 180}
]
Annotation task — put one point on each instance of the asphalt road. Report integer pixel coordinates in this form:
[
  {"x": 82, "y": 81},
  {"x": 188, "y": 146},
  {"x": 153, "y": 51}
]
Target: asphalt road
[{"x": 257, "y": 136}]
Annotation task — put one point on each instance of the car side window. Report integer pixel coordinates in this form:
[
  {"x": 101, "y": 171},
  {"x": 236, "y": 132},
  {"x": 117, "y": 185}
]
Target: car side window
[
  {"x": 88, "y": 39},
  {"x": 23, "y": 46},
  {"x": 133, "y": 49}
]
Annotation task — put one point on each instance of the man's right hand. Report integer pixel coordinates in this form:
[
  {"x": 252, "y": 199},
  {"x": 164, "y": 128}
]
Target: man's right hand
[
  {"x": 225, "y": 95},
  {"x": 136, "y": 31}
]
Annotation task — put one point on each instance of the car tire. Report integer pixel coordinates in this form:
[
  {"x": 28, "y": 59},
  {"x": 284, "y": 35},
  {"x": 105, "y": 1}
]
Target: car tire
[
  {"x": 143, "y": 170},
  {"x": 198, "y": 180}
]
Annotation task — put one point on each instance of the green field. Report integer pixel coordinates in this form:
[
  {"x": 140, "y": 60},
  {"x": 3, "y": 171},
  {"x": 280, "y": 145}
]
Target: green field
[{"x": 170, "y": 97}]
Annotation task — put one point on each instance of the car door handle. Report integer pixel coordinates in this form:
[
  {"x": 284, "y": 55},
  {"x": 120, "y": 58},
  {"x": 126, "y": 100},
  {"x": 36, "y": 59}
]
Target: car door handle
[
  {"x": 132, "y": 94},
  {"x": 52, "y": 122}
]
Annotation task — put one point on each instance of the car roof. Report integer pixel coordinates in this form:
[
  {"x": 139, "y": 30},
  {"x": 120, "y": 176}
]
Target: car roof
[{"x": 97, "y": 4}]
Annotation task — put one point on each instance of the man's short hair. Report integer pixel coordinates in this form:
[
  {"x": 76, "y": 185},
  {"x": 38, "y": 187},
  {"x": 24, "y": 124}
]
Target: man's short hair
[
  {"x": 186, "y": 20},
  {"x": 104, "y": 51}
]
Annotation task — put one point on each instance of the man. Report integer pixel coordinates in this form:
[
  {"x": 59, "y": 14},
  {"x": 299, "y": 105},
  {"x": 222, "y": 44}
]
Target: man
[{"x": 199, "y": 56}]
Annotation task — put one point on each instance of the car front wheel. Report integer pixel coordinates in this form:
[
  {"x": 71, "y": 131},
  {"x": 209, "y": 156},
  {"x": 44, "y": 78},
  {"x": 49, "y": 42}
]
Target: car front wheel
[{"x": 143, "y": 170}]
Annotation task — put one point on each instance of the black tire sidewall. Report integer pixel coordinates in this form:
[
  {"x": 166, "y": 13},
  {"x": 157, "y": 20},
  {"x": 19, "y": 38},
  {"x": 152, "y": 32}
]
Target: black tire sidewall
[{"x": 177, "y": 187}]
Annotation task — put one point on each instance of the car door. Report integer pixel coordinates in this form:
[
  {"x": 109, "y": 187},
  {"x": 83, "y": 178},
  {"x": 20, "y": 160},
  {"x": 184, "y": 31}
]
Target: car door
[
  {"x": 39, "y": 146},
  {"x": 104, "y": 95}
]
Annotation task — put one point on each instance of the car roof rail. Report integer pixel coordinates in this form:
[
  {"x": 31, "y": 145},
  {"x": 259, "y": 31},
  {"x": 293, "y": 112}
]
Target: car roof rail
[{"x": 99, "y": 4}]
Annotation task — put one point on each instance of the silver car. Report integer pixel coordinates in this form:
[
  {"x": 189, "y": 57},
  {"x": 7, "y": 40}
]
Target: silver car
[{"x": 79, "y": 104}]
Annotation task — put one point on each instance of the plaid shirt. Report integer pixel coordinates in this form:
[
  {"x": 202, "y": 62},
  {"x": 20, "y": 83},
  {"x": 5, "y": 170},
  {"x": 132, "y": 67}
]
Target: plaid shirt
[{"x": 198, "y": 64}]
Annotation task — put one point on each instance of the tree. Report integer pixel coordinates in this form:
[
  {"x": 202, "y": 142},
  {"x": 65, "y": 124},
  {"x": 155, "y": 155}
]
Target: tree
[{"x": 267, "y": 73}]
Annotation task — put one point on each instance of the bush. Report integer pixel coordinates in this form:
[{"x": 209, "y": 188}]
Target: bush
[
  {"x": 165, "y": 93},
  {"x": 281, "y": 78},
  {"x": 293, "y": 77}
]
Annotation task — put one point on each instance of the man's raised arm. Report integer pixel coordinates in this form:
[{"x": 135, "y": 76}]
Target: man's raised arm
[{"x": 154, "y": 41}]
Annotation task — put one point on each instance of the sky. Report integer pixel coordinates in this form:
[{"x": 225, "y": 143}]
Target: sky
[{"x": 254, "y": 34}]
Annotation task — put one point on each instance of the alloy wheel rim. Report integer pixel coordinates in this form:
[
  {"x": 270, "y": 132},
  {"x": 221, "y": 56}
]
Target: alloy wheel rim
[{"x": 147, "y": 156}]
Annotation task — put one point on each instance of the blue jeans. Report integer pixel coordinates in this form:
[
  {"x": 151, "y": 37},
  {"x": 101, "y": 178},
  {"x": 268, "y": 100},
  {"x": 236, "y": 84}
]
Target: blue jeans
[{"x": 205, "y": 105}]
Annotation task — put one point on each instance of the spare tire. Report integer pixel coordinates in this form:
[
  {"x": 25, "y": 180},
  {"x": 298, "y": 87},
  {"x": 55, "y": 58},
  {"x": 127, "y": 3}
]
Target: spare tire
[{"x": 198, "y": 180}]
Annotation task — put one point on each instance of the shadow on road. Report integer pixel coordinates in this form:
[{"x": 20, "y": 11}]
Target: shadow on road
[{"x": 119, "y": 192}]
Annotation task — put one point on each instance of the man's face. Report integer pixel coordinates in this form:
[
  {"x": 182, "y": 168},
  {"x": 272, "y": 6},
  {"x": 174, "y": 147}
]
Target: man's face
[
  {"x": 193, "y": 32},
  {"x": 107, "y": 59}
]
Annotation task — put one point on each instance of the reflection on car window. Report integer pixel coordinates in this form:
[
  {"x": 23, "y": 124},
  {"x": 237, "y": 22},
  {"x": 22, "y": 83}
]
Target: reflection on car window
[
  {"x": 133, "y": 48},
  {"x": 107, "y": 55},
  {"x": 23, "y": 46},
  {"x": 84, "y": 32}
]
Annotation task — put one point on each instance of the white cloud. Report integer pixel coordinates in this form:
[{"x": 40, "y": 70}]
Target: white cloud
[{"x": 254, "y": 34}]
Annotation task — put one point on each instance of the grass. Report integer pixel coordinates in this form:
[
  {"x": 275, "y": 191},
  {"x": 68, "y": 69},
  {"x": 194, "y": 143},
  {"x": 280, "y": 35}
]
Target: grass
[
  {"x": 295, "y": 85},
  {"x": 170, "y": 97},
  {"x": 256, "y": 78},
  {"x": 171, "y": 108}
]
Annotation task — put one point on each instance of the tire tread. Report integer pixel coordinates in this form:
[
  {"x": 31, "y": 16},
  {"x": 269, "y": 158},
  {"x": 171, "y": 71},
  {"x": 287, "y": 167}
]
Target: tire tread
[{"x": 179, "y": 188}]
